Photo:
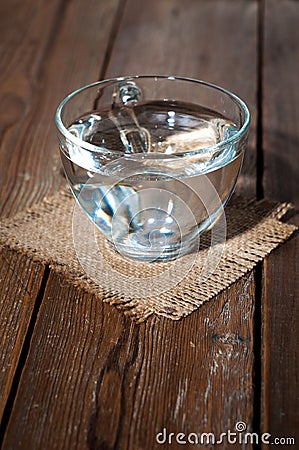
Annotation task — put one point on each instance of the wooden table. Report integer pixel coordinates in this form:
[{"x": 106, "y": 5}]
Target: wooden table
[{"x": 76, "y": 373}]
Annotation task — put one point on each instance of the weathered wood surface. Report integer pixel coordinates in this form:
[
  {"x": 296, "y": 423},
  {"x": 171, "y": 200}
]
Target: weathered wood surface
[
  {"x": 115, "y": 383},
  {"x": 44, "y": 55},
  {"x": 215, "y": 41},
  {"x": 41, "y": 47},
  {"x": 61, "y": 50},
  {"x": 24, "y": 52},
  {"x": 20, "y": 281},
  {"x": 96, "y": 380},
  {"x": 280, "y": 350},
  {"x": 91, "y": 378}
]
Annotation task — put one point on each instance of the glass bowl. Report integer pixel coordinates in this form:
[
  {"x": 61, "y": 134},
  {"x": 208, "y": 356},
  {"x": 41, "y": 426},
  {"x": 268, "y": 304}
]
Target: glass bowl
[{"x": 152, "y": 160}]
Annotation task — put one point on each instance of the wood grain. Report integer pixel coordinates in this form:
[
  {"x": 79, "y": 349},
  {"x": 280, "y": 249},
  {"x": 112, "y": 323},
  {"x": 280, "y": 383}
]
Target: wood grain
[
  {"x": 96, "y": 380},
  {"x": 281, "y": 288},
  {"x": 25, "y": 31},
  {"x": 280, "y": 104},
  {"x": 44, "y": 55},
  {"x": 24, "y": 52},
  {"x": 63, "y": 58},
  {"x": 20, "y": 281},
  {"x": 215, "y": 41},
  {"x": 281, "y": 342},
  {"x": 93, "y": 379}
]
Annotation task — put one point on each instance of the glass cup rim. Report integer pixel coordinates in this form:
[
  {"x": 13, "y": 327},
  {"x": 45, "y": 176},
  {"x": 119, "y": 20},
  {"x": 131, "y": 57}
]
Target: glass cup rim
[{"x": 97, "y": 149}]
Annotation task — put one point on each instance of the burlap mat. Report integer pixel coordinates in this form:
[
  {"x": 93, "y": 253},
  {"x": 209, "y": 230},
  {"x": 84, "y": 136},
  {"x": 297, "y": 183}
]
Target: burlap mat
[{"x": 172, "y": 289}]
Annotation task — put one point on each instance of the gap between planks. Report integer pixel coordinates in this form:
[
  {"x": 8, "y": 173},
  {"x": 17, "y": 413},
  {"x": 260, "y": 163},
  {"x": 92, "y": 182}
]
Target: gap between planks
[{"x": 23, "y": 356}]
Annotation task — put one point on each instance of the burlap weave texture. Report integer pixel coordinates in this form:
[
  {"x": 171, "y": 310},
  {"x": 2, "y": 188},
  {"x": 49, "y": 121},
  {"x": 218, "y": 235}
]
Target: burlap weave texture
[{"x": 45, "y": 234}]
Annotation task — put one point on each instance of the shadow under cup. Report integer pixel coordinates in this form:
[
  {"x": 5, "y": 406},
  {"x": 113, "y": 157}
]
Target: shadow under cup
[{"x": 152, "y": 160}]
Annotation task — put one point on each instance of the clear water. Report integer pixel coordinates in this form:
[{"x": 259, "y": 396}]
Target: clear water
[{"x": 156, "y": 183}]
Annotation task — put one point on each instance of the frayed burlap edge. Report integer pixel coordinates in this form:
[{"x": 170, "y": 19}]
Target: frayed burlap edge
[{"x": 252, "y": 245}]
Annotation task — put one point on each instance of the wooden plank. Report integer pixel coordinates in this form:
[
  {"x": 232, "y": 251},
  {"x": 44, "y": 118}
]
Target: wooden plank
[
  {"x": 213, "y": 41},
  {"x": 96, "y": 380},
  {"x": 281, "y": 287},
  {"x": 69, "y": 59},
  {"x": 281, "y": 342},
  {"x": 26, "y": 30},
  {"x": 44, "y": 55},
  {"x": 280, "y": 91},
  {"x": 20, "y": 280}
]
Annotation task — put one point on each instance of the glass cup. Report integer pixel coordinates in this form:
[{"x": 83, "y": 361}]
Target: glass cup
[{"x": 152, "y": 160}]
